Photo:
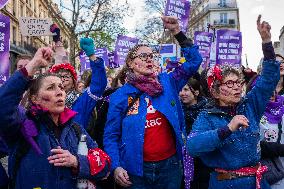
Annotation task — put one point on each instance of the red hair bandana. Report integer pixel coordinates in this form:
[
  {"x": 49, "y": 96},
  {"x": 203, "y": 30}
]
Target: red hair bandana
[{"x": 213, "y": 75}]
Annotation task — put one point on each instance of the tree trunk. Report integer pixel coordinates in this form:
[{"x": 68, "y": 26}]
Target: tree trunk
[{"x": 73, "y": 45}]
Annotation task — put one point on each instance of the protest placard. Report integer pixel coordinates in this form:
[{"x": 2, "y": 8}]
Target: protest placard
[
  {"x": 228, "y": 47},
  {"x": 3, "y": 3},
  {"x": 179, "y": 9},
  {"x": 112, "y": 64},
  {"x": 35, "y": 26},
  {"x": 85, "y": 61},
  {"x": 168, "y": 55},
  {"x": 122, "y": 46},
  {"x": 204, "y": 41},
  {"x": 4, "y": 47}
]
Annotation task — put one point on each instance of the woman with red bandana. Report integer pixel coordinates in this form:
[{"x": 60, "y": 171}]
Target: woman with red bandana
[{"x": 226, "y": 137}]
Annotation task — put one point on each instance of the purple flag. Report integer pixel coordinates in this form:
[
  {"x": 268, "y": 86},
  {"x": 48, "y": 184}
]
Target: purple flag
[
  {"x": 102, "y": 53},
  {"x": 204, "y": 41},
  {"x": 228, "y": 47},
  {"x": 122, "y": 46},
  {"x": 3, "y": 3},
  {"x": 179, "y": 9},
  {"x": 4, "y": 47}
]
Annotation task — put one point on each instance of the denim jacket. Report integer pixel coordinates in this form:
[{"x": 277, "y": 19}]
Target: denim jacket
[{"x": 241, "y": 148}]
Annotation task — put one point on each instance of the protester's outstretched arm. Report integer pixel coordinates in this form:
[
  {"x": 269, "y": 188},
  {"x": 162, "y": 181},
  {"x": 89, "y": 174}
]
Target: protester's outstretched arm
[
  {"x": 267, "y": 82},
  {"x": 193, "y": 59},
  {"x": 98, "y": 80},
  {"x": 11, "y": 92},
  {"x": 86, "y": 103}
]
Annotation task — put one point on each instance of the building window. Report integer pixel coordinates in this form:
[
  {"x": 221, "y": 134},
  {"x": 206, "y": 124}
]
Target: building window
[
  {"x": 14, "y": 35},
  {"x": 223, "y": 3},
  {"x": 223, "y": 18},
  {"x": 14, "y": 7}
]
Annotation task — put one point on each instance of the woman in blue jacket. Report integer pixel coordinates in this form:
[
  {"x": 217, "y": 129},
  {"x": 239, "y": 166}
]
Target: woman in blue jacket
[
  {"x": 226, "y": 136},
  {"x": 143, "y": 133},
  {"x": 57, "y": 135}
]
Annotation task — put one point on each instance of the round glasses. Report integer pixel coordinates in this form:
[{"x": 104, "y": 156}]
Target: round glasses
[
  {"x": 145, "y": 56},
  {"x": 231, "y": 83}
]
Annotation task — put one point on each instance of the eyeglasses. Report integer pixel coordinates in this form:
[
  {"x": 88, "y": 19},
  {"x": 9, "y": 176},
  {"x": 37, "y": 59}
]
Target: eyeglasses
[
  {"x": 65, "y": 76},
  {"x": 231, "y": 83},
  {"x": 145, "y": 56}
]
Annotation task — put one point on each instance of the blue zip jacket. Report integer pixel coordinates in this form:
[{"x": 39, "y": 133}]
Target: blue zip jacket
[
  {"x": 124, "y": 135},
  {"x": 35, "y": 170},
  {"x": 241, "y": 148},
  {"x": 86, "y": 103}
]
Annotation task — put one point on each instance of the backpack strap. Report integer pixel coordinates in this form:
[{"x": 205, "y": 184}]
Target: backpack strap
[{"x": 77, "y": 129}]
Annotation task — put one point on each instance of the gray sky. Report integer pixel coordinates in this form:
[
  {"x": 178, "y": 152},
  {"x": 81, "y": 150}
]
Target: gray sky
[{"x": 271, "y": 10}]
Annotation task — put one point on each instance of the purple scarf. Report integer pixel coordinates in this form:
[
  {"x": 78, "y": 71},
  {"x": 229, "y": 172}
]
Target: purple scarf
[
  {"x": 147, "y": 84},
  {"x": 275, "y": 110}
]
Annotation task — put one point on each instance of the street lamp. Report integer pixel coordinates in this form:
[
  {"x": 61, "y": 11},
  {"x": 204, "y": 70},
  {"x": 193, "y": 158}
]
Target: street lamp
[{"x": 213, "y": 28}]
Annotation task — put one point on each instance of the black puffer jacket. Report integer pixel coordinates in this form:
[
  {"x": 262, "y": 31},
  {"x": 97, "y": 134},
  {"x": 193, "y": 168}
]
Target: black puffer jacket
[
  {"x": 270, "y": 153},
  {"x": 201, "y": 171}
]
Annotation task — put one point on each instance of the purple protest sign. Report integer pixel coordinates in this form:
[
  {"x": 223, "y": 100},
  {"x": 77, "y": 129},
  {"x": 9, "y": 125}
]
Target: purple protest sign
[
  {"x": 179, "y": 9},
  {"x": 3, "y": 3},
  {"x": 102, "y": 53},
  {"x": 204, "y": 41},
  {"x": 4, "y": 47},
  {"x": 228, "y": 47},
  {"x": 85, "y": 62},
  {"x": 112, "y": 63},
  {"x": 122, "y": 46}
]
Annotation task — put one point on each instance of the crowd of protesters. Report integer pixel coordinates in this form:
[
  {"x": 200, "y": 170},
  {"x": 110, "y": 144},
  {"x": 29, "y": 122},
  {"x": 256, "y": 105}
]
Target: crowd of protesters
[{"x": 218, "y": 129}]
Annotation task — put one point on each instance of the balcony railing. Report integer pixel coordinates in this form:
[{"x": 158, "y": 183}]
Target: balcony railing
[{"x": 229, "y": 23}]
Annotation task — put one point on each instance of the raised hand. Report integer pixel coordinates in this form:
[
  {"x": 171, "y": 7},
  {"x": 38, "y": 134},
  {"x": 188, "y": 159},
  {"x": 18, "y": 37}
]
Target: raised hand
[
  {"x": 264, "y": 30},
  {"x": 87, "y": 45},
  {"x": 171, "y": 23},
  {"x": 42, "y": 58}
]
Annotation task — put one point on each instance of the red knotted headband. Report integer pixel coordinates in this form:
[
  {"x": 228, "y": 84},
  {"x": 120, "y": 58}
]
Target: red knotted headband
[{"x": 214, "y": 74}]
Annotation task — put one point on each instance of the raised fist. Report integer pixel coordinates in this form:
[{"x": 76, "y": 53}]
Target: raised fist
[{"x": 87, "y": 45}]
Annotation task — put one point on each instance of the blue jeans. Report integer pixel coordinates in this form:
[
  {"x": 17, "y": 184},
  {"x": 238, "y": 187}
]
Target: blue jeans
[{"x": 165, "y": 174}]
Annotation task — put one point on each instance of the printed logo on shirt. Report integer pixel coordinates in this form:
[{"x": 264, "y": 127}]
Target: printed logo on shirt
[
  {"x": 134, "y": 108},
  {"x": 153, "y": 117}
]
